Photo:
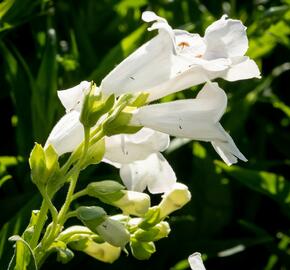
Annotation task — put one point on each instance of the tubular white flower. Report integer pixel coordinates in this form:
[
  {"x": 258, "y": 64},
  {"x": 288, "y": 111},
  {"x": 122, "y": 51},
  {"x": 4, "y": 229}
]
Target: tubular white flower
[
  {"x": 175, "y": 59},
  {"x": 141, "y": 165},
  {"x": 67, "y": 134},
  {"x": 194, "y": 119},
  {"x": 154, "y": 172},
  {"x": 123, "y": 149}
]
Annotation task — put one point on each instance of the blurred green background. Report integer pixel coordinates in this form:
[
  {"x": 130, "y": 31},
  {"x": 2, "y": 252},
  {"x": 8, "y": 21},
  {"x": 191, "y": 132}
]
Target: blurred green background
[{"x": 243, "y": 210}]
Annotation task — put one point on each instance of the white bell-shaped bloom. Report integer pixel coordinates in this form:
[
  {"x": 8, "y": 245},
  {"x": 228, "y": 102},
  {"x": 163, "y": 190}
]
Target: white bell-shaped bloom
[
  {"x": 196, "y": 119},
  {"x": 139, "y": 159},
  {"x": 175, "y": 59},
  {"x": 154, "y": 172},
  {"x": 127, "y": 148}
]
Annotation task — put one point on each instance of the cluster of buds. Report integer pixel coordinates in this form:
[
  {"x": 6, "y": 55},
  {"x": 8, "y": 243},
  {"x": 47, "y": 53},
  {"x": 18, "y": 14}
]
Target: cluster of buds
[{"x": 139, "y": 226}]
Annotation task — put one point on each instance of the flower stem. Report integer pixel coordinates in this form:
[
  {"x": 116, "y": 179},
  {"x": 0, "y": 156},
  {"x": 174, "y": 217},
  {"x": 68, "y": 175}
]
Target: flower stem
[
  {"x": 79, "y": 194},
  {"x": 39, "y": 225}
]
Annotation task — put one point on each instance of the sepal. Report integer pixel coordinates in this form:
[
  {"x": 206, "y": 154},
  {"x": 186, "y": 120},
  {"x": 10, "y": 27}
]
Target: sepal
[
  {"x": 95, "y": 106},
  {"x": 142, "y": 250}
]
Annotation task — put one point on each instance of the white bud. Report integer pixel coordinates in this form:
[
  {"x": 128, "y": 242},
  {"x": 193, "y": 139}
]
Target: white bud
[
  {"x": 195, "y": 261},
  {"x": 174, "y": 199},
  {"x": 133, "y": 203}
]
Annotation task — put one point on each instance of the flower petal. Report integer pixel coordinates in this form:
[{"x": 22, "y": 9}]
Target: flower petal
[
  {"x": 72, "y": 98},
  {"x": 152, "y": 60},
  {"x": 154, "y": 172},
  {"x": 193, "y": 118},
  {"x": 225, "y": 38},
  {"x": 67, "y": 134},
  {"x": 242, "y": 68},
  {"x": 122, "y": 149},
  {"x": 227, "y": 149}
]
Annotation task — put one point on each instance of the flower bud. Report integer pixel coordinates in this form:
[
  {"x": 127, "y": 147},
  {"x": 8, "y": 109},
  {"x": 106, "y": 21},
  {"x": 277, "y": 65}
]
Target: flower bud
[
  {"x": 113, "y": 232},
  {"x": 142, "y": 250},
  {"x": 195, "y": 261},
  {"x": 155, "y": 233},
  {"x": 43, "y": 163},
  {"x": 107, "y": 191},
  {"x": 91, "y": 216},
  {"x": 103, "y": 252},
  {"x": 174, "y": 199},
  {"x": 133, "y": 203}
]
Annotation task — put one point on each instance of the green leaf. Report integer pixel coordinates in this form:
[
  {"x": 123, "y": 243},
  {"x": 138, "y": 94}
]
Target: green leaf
[
  {"x": 22, "y": 260},
  {"x": 273, "y": 185},
  {"x": 44, "y": 93},
  {"x": 15, "y": 226}
]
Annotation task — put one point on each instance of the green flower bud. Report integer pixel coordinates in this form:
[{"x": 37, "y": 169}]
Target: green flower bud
[
  {"x": 44, "y": 164},
  {"x": 91, "y": 216},
  {"x": 107, "y": 191},
  {"x": 114, "y": 232},
  {"x": 142, "y": 250},
  {"x": 173, "y": 200},
  {"x": 133, "y": 203},
  {"x": 94, "y": 107},
  {"x": 155, "y": 233}
]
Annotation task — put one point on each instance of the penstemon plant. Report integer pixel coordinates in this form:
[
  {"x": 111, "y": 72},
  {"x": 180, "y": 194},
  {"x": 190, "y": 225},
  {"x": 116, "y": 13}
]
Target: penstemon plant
[{"x": 113, "y": 123}]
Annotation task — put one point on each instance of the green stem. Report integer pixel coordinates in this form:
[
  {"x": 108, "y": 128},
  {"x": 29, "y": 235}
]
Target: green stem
[
  {"x": 70, "y": 215},
  {"x": 81, "y": 193},
  {"x": 51, "y": 207},
  {"x": 73, "y": 174},
  {"x": 39, "y": 225}
]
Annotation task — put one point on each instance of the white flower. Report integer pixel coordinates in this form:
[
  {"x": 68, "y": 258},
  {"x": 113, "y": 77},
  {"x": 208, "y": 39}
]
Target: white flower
[
  {"x": 194, "y": 119},
  {"x": 127, "y": 148},
  {"x": 72, "y": 98},
  {"x": 67, "y": 134},
  {"x": 137, "y": 155},
  {"x": 175, "y": 59},
  {"x": 154, "y": 172},
  {"x": 140, "y": 161},
  {"x": 195, "y": 261}
]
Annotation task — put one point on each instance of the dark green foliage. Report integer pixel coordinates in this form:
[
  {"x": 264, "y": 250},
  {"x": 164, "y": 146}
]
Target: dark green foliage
[{"x": 48, "y": 45}]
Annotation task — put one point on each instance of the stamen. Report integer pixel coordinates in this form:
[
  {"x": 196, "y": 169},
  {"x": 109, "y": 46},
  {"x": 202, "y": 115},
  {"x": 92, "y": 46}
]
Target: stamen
[{"x": 183, "y": 44}]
